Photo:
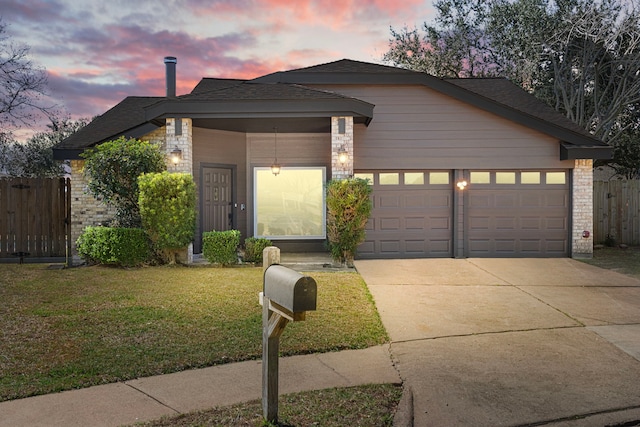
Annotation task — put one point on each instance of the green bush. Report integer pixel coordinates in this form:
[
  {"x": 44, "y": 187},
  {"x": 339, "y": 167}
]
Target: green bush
[
  {"x": 113, "y": 245},
  {"x": 112, "y": 170},
  {"x": 168, "y": 210},
  {"x": 221, "y": 247},
  {"x": 253, "y": 247},
  {"x": 348, "y": 210}
]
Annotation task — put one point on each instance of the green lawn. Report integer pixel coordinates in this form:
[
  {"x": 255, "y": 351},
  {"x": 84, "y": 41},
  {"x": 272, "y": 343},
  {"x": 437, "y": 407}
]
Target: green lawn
[
  {"x": 625, "y": 261},
  {"x": 63, "y": 329}
]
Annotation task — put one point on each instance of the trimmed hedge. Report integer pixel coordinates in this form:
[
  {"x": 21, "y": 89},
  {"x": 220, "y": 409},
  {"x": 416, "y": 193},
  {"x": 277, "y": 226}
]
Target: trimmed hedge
[
  {"x": 124, "y": 247},
  {"x": 253, "y": 247},
  {"x": 221, "y": 247}
]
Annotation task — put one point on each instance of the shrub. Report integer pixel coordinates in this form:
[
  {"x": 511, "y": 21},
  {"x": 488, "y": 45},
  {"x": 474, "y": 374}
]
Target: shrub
[
  {"x": 348, "y": 210},
  {"x": 112, "y": 169},
  {"x": 253, "y": 247},
  {"x": 112, "y": 245},
  {"x": 221, "y": 247},
  {"x": 168, "y": 211}
]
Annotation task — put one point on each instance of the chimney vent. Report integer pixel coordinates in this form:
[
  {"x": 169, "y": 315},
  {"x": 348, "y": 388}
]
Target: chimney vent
[{"x": 170, "y": 63}]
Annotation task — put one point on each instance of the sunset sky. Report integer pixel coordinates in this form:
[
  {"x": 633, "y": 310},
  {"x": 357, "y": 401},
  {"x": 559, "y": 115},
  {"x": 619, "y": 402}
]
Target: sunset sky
[{"x": 99, "y": 52}]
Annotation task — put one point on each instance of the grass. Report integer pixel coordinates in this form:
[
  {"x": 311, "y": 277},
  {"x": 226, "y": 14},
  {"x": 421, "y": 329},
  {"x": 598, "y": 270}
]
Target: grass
[
  {"x": 64, "y": 329},
  {"x": 625, "y": 261},
  {"x": 372, "y": 405}
]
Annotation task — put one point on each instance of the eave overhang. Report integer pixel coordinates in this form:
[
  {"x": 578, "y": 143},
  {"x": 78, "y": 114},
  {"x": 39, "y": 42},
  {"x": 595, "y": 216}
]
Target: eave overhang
[
  {"x": 572, "y": 152},
  {"x": 135, "y": 132},
  {"x": 260, "y": 109}
]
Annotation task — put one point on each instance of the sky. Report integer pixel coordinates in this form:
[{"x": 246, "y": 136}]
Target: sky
[{"x": 97, "y": 52}]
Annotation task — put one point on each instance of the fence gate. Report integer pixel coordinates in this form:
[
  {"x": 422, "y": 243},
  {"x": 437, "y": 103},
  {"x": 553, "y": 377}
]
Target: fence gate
[
  {"x": 35, "y": 218},
  {"x": 616, "y": 211}
]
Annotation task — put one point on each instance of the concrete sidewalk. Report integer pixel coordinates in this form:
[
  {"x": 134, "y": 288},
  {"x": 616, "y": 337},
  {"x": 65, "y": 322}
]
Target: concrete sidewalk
[
  {"x": 512, "y": 342},
  {"x": 151, "y": 398}
]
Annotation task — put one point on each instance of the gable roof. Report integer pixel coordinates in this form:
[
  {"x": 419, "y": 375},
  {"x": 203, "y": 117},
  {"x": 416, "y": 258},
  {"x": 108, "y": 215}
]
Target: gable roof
[
  {"x": 496, "y": 95},
  {"x": 285, "y": 94}
]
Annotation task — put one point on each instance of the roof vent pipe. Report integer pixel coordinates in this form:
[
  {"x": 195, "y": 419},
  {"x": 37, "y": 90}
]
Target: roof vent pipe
[{"x": 170, "y": 63}]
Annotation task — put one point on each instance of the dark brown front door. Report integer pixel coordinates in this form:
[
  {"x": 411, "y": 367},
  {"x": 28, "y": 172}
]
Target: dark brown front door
[{"x": 217, "y": 212}]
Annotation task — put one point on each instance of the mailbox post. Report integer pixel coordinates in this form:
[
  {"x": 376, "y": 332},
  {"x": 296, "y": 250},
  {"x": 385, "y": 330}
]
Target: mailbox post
[{"x": 286, "y": 296}]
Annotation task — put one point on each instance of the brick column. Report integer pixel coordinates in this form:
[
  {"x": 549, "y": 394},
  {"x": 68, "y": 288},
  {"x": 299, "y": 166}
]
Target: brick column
[
  {"x": 183, "y": 140},
  {"x": 582, "y": 247},
  {"x": 341, "y": 139},
  {"x": 181, "y": 137},
  {"x": 86, "y": 211}
]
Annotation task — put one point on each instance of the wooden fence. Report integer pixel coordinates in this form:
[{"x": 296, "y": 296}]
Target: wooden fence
[
  {"x": 616, "y": 211},
  {"x": 35, "y": 219}
]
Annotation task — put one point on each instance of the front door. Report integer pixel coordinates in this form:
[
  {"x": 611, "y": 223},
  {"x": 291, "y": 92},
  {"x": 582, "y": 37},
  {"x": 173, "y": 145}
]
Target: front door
[{"x": 217, "y": 212}]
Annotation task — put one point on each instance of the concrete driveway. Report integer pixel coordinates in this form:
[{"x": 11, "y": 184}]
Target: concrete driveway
[{"x": 511, "y": 342}]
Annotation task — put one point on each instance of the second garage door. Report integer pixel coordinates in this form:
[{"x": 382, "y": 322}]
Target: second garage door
[{"x": 517, "y": 214}]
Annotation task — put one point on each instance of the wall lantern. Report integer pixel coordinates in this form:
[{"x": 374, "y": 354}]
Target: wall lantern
[
  {"x": 176, "y": 155},
  {"x": 462, "y": 185},
  {"x": 275, "y": 167},
  {"x": 343, "y": 155}
]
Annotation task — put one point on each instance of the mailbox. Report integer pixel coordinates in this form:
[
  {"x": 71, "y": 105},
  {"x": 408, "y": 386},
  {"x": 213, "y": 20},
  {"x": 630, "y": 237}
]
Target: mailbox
[{"x": 290, "y": 289}]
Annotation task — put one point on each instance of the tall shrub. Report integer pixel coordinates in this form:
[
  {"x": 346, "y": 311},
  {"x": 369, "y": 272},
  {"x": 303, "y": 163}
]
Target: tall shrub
[
  {"x": 348, "y": 210},
  {"x": 112, "y": 169},
  {"x": 167, "y": 204}
]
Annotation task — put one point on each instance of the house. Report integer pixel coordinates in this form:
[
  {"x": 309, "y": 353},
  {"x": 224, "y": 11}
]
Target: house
[{"x": 459, "y": 167}]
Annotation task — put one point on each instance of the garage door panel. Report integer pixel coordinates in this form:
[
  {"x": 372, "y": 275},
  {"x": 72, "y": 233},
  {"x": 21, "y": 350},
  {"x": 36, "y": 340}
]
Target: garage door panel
[
  {"x": 531, "y": 223},
  {"x": 388, "y": 201},
  {"x": 440, "y": 223},
  {"x": 557, "y": 200},
  {"x": 506, "y": 200},
  {"x": 389, "y": 224},
  {"x": 415, "y": 223},
  {"x": 440, "y": 201},
  {"x": 479, "y": 222},
  {"x": 505, "y": 223}
]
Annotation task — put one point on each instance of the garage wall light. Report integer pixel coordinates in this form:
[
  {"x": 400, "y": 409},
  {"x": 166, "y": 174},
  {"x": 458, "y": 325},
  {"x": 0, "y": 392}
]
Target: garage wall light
[{"x": 462, "y": 185}]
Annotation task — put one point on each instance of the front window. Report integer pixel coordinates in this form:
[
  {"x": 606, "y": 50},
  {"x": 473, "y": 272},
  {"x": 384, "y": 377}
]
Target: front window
[{"x": 290, "y": 205}]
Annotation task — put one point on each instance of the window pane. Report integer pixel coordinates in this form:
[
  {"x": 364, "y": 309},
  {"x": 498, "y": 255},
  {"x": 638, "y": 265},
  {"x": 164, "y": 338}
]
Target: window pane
[
  {"x": 392, "y": 178},
  {"x": 413, "y": 178},
  {"x": 556, "y": 178},
  {"x": 367, "y": 176},
  {"x": 438, "y": 177},
  {"x": 505, "y": 177},
  {"x": 530, "y": 177},
  {"x": 480, "y": 178},
  {"x": 291, "y": 204}
]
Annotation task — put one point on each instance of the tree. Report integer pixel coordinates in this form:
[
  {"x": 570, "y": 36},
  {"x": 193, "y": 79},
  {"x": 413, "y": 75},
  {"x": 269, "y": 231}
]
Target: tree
[
  {"x": 113, "y": 168},
  {"x": 35, "y": 157},
  {"x": 22, "y": 85},
  {"x": 579, "y": 56}
]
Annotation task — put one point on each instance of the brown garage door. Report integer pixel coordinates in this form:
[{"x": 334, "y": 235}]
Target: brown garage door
[
  {"x": 517, "y": 214},
  {"x": 411, "y": 217}
]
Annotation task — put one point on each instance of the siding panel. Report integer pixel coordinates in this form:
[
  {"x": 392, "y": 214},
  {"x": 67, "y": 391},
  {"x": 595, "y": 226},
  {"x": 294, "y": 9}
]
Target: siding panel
[{"x": 416, "y": 127}]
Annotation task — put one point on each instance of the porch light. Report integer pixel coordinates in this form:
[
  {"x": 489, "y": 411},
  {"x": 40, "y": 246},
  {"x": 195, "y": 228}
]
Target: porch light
[
  {"x": 462, "y": 184},
  {"x": 343, "y": 155},
  {"x": 176, "y": 155},
  {"x": 275, "y": 167}
]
